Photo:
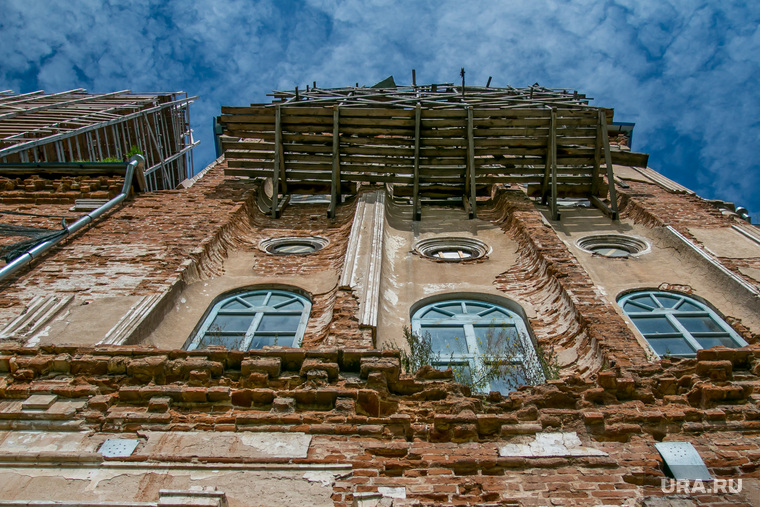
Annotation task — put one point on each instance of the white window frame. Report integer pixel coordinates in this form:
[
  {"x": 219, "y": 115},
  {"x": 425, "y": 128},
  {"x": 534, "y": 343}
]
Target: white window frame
[
  {"x": 672, "y": 314},
  {"x": 468, "y": 320},
  {"x": 257, "y": 313}
]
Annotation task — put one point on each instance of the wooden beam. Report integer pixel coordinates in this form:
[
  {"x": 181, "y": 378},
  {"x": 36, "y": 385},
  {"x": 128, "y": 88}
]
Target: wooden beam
[
  {"x": 629, "y": 158},
  {"x": 335, "y": 185},
  {"x": 553, "y": 155},
  {"x": 598, "y": 149},
  {"x": 277, "y": 159},
  {"x": 602, "y": 206},
  {"x": 608, "y": 161},
  {"x": 470, "y": 176},
  {"x": 416, "y": 192}
]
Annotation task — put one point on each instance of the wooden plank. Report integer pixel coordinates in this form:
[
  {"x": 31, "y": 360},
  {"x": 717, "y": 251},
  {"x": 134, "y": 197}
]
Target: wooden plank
[
  {"x": 304, "y": 138},
  {"x": 470, "y": 179},
  {"x": 510, "y": 113},
  {"x": 378, "y": 122},
  {"x": 553, "y": 157},
  {"x": 392, "y": 151},
  {"x": 379, "y": 141},
  {"x": 249, "y": 118},
  {"x": 443, "y": 113},
  {"x": 357, "y": 112},
  {"x": 325, "y": 111},
  {"x": 247, "y": 110},
  {"x": 417, "y": 210},
  {"x": 253, "y": 164},
  {"x": 247, "y": 145},
  {"x": 602, "y": 206},
  {"x": 497, "y": 151},
  {"x": 511, "y": 122},
  {"x": 365, "y": 159},
  {"x": 390, "y": 131},
  {"x": 598, "y": 149},
  {"x": 608, "y": 161},
  {"x": 550, "y": 154},
  {"x": 335, "y": 180},
  {"x": 278, "y": 159},
  {"x": 512, "y": 142},
  {"x": 629, "y": 158},
  {"x": 535, "y": 131}
]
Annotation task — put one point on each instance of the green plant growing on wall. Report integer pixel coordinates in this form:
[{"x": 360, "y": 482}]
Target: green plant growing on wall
[
  {"x": 133, "y": 150},
  {"x": 501, "y": 363}
]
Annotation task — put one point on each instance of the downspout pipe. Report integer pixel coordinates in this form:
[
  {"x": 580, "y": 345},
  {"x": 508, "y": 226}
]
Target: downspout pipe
[{"x": 137, "y": 162}]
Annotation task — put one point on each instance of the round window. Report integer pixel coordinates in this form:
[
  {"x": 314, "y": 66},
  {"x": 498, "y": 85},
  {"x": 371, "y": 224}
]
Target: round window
[
  {"x": 451, "y": 249},
  {"x": 293, "y": 245},
  {"x": 613, "y": 245}
]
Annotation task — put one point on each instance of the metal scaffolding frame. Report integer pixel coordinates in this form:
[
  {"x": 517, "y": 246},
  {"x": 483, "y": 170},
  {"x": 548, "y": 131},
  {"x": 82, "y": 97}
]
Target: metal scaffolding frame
[{"x": 74, "y": 126}]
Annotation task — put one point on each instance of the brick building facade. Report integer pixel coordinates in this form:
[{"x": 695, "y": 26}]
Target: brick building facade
[{"x": 208, "y": 345}]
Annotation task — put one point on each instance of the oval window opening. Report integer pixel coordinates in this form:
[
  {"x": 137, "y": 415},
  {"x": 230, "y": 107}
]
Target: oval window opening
[
  {"x": 451, "y": 249},
  {"x": 613, "y": 245},
  {"x": 293, "y": 246}
]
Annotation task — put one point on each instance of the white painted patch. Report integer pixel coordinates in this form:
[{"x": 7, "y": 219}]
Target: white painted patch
[
  {"x": 324, "y": 478},
  {"x": 399, "y": 493},
  {"x": 551, "y": 444}
]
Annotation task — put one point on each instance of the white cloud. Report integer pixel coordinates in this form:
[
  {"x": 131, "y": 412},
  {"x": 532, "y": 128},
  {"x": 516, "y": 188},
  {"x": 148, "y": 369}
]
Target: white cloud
[{"x": 682, "y": 69}]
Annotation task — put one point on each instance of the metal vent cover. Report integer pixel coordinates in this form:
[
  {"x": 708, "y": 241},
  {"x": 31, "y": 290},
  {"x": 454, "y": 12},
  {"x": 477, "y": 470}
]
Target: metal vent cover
[
  {"x": 118, "y": 447},
  {"x": 683, "y": 461}
]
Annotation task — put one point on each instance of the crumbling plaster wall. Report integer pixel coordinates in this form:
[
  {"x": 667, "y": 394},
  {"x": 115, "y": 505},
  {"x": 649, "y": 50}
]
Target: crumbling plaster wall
[
  {"x": 409, "y": 278},
  {"x": 246, "y": 265},
  {"x": 649, "y": 209}
]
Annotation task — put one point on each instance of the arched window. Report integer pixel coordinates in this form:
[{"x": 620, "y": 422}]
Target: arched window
[
  {"x": 677, "y": 325},
  {"x": 477, "y": 337},
  {"x": 254, "y": 319}
]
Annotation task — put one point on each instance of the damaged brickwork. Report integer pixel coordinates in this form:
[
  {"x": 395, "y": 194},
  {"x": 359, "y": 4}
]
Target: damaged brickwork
[
  {"x": 573, "y": 315},
  {"x": 423, "y": 433}
]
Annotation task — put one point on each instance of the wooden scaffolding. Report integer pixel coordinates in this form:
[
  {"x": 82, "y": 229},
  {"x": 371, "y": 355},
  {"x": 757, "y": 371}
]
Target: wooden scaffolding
[
  {"x": 62, "y": 130},
  {"x": 429, "y": 141}
]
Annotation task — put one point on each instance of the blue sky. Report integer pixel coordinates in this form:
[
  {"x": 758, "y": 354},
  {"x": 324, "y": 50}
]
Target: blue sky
[{"x": 685, "y": 71}]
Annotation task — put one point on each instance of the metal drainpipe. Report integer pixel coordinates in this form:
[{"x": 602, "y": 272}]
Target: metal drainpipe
[{"x": 137, "y": 161}]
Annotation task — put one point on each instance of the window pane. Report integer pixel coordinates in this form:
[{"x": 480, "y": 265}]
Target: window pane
[
  {"x": 645, "y": 300},
  {"x": 230, "y": 323},
  {"x": 712, "y": 341},
  {"x": 512, "y": 376},
  {"x": 668, "y": 301},
  {"x": 452, "y": 254},
  {"x": 498, "y": 340},
  {"x": 475, "y": 308},
  {"x": 230, "y": 342},
  {"x": 451, "y": 307},
  {"x": 234, "y": 304},
  {"x": 700, "y": 324},
  {"x": 632, "y": 308},
  {"x": 653, "y": 325},
  {"x": 462, "y": 371},
  {"x": 689, "y": 307},
  {"x": 293, "y": 306},
  {"x": 294, "y": 248},
  {"x": 278, "y": 298},
  {"x": 670, "y": 346},
  {"x": 435, "y": 314},
  {"x": 255, "y": 299},
  {"x": 446, "y": 340},
  {"x": 271, "y": 341},
  {"x": 611, "y": 251},
  {"x": 279, "y": 323},
  {"x": 496, "y": 314}
]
